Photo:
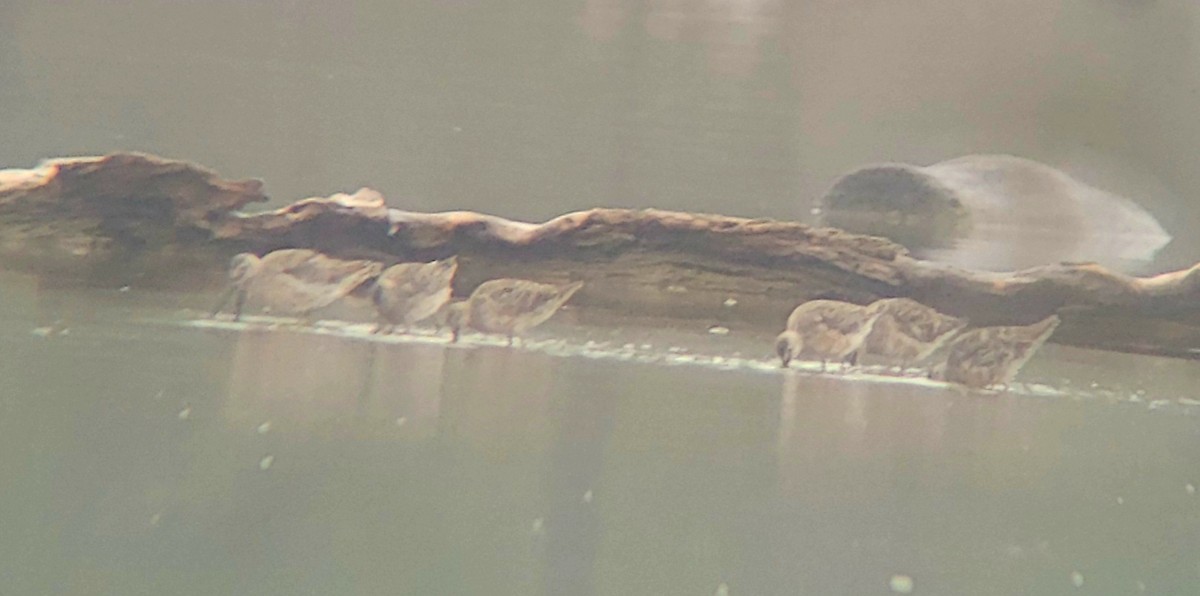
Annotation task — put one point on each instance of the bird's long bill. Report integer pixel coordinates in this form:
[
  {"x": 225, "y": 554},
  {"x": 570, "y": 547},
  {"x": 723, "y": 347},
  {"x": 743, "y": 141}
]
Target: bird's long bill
[
  {"x": 375, "y": 291},
  {"x": 225, "y": 296}
]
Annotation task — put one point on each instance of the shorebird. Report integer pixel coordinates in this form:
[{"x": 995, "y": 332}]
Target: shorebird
[
  {"x": 409, "y": 293},
  {"x": 293, "y": 281},
  {"x": 988, "y": 356},
  {"x": 907, "y": 331},
  {"x": 826, "y": 330},
  {"x": 509, "y": 306}
]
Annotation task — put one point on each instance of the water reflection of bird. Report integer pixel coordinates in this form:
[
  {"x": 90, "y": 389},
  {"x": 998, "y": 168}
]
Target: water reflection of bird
[
  {"x": 293, "y": 281},
  {"x": 826, "y": 330},
  {"x": 908, "y": 332},
  {"x": 409, "y": 293},
  {"x": 990, "y": 356},
  {"x": 509, "y": 306}
]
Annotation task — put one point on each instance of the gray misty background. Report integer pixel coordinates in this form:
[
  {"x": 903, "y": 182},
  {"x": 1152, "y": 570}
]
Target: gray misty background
[{"x": 529, "y": 109}]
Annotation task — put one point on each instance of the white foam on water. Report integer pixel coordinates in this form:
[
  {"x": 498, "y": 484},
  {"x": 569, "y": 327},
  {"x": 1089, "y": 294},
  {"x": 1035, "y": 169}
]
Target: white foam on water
[{"x": 622, "y": 350}]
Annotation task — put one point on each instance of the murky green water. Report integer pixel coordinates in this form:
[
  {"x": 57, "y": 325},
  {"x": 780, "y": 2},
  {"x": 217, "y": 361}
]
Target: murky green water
[{"x": 142, "y": 454}]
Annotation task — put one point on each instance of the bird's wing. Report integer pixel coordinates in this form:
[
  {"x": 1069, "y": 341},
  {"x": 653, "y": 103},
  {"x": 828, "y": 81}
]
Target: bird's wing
[
  {"x": 921, "y": 322},
  {"x": 846, "y": 322}
]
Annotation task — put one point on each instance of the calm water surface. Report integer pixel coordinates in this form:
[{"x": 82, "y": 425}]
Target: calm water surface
[{"x": 145, "y": 456}]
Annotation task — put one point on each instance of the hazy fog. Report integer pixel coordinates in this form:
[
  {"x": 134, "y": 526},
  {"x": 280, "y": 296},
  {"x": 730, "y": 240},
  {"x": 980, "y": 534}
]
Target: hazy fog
[{"x": 529, "y": 109}]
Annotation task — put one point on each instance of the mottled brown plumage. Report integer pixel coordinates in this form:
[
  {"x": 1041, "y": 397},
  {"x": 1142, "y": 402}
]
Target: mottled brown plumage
[
  {"x": 907, "y": 331},
  {"x": 825, "y": 330},
  {"x": 510, "y": 306},
  {"x": 408, "y": 293},
  {"x": 990, "y": 356},
  {"x": 293, "y": 281}
]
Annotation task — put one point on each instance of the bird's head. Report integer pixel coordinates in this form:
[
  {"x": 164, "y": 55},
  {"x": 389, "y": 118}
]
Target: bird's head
[{"x": 787, "y": 346}]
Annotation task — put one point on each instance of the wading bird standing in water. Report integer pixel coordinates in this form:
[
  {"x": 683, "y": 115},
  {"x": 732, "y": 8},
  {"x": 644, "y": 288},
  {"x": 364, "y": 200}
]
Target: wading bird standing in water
[
  {"x": 409, "y": 293},
  {"x": 293, "y": 281},
  {"x": 988, "y": 356},
  {"x": 827, "y": 330},
  {"x": 509, "y": 306}
]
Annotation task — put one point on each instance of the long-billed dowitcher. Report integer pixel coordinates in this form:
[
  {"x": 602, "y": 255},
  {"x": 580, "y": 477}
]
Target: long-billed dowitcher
[
  {"x": 988, "y": 356},
  {"x": 907, "y": 331},
  {"x": 409, "y": 293},
  {"x": 825, "y": 330},
  {"x": 293, "y": 281},
  {"x": 510, "y": 306}
]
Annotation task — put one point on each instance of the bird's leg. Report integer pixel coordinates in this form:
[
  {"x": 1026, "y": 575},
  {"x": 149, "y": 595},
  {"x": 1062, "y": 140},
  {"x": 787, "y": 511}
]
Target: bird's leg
[
  {"x": 238, "y": 304},
  {"x": 225, "y": 296},
  {"x": 510, "y": 340},
  {"x": 454, "y": 335},
  {"x": 822, "y": 365}
]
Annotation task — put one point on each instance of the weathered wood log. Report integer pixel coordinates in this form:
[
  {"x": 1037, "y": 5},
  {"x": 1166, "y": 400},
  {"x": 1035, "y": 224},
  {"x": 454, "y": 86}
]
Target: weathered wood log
[
  {"x": 133, "y": 208},
  {"x": 95, "y": 216}
]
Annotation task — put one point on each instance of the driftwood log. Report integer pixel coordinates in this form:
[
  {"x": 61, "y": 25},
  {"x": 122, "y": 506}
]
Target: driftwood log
[{"x": 167, "y": 222}]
